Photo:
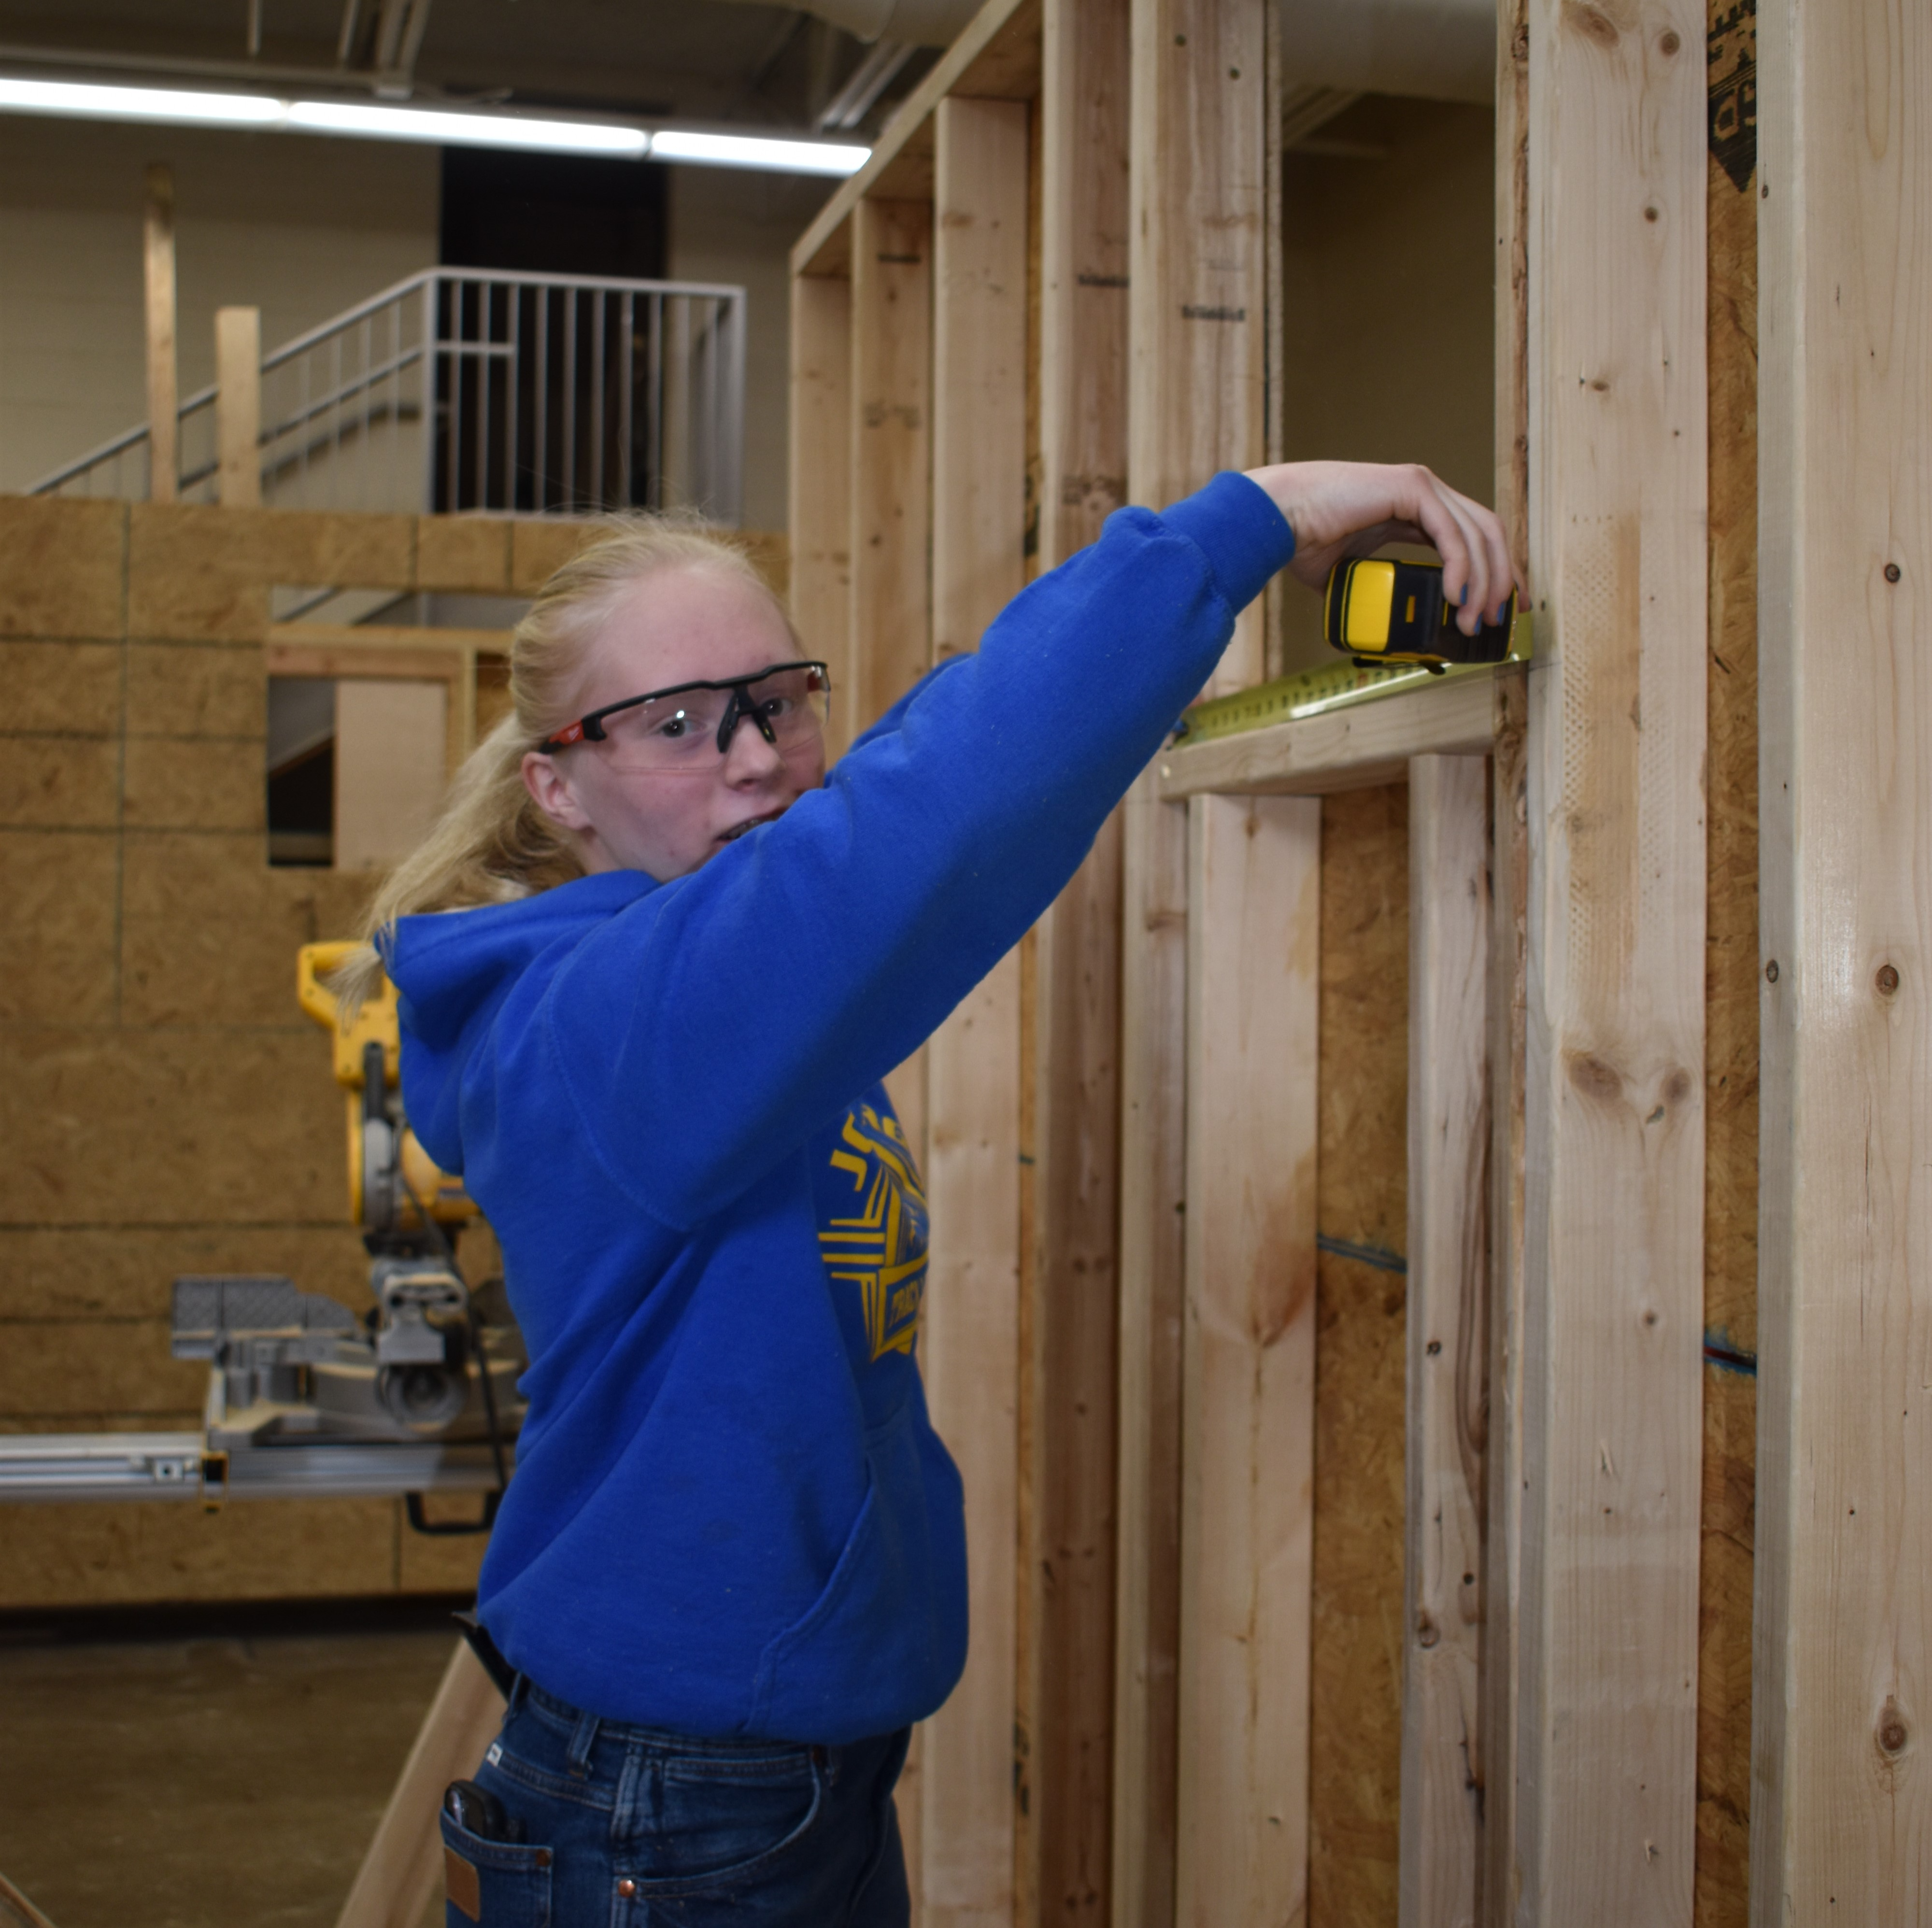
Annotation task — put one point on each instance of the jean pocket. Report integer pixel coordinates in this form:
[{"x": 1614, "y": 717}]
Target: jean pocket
[
  {"x": 721, "y": 1822},
  {"x": 504, "y": 1883}
]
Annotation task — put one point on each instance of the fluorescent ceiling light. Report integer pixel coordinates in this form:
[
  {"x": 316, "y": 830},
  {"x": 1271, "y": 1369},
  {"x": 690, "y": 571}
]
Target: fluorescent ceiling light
[
  {"x": 371, "y": 123},
  {"x": 789, "y": 157},
  {"x": 80, "y": 101},
  {"x": 83, "y": 100}
]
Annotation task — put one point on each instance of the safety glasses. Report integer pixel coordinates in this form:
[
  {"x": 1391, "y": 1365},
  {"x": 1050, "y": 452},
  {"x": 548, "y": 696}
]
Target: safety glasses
[{"x": 678, "y": 728}]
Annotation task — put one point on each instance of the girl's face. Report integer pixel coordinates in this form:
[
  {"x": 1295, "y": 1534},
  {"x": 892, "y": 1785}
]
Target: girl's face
[{"x": 679, "y": 625}]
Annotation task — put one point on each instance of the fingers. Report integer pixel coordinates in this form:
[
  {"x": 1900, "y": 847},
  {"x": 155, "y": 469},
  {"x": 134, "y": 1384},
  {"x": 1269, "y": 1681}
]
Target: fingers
[
  {"x": 1435, "y": 507},
  {"x": 1481, "y": 585}
]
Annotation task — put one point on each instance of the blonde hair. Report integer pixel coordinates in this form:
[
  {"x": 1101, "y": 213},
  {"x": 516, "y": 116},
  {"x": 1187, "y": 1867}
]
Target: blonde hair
[{"x": 490, "y": 843}]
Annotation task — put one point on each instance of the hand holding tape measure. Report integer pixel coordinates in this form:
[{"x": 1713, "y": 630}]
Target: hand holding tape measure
[{"x": 1342, "y": 512}]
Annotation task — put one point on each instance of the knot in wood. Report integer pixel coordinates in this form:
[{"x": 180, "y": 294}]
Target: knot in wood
[
  {"x": 1592, "y": 22},
  {"x": 1888, "y": 979},
  {"x": 1893, "y": 1733},
  {"x": 1595, "y": 1078},
  {"x": 1427, "y": 1632}
]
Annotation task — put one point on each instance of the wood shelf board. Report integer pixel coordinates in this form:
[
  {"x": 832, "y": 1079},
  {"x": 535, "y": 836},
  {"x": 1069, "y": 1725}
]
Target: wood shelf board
[
  {"x": 997, "y": 57},
  {"x": 1357, "y": 748},
  {"x": 370, "y": 636}
]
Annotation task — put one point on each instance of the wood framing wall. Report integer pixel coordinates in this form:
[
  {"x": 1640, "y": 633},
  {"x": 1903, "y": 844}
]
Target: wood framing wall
[
  {"x": 164, "y": 1107},
  {"x": 1844, "y": 1513}
]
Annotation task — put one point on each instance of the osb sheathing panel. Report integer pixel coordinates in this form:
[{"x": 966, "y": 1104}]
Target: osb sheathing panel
[
  {"x": 1731, "y": 1016},
  {"x": 164, "y": 1106},
  {"x": 1356, "y": 1729},
  {"x": 196, "y": 689},
  {"x": 91, "y": 1273},
  {"x": 71, "y": 689},
  {"x": 203, "y": 575},
  {"x": 62, "y": 567},
  {"x": 60, "y": 783},
  {"x": 128, "y": 1372},
  {"x": 254, "y": 1549},
  {"x": 463, "y": 552},
  {"x": 57, "y": 925},
  {"x": 209, "y": 932}
]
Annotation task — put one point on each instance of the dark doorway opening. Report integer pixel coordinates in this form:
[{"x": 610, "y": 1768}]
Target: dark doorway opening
[{"x": 524, "y": 415}]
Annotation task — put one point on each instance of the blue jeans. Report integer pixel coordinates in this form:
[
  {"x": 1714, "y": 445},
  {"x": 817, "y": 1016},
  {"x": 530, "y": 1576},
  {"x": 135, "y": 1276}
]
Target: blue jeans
[{"x": 629, "y": 1827}]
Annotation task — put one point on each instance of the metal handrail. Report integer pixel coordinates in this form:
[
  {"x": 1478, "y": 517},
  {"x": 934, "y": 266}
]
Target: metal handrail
[{"x": 490, "y": 437}]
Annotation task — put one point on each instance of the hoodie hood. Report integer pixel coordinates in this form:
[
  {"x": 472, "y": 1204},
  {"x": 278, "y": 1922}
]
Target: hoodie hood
[{"x": 453, "y": 971}]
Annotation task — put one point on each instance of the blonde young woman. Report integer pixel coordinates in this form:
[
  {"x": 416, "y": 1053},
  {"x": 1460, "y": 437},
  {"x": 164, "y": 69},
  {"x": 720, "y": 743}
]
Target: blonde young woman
[{"x": 731, "y": 1570}]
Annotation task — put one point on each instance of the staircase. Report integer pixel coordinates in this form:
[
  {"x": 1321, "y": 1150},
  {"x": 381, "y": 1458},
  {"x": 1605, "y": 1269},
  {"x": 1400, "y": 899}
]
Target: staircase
[{"x": 461, "y": 389}]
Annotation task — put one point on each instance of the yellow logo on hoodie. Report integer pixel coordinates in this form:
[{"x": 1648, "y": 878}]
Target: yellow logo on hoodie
[{"x": 881, "y": 1248}]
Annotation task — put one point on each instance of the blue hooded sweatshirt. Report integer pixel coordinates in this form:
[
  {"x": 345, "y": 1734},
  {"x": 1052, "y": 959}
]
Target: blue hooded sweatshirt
[{"x": 731, "y": 1515}]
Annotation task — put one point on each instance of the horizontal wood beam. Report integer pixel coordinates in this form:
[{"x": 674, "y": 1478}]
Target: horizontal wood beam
[
  {"x": 373, "y": 636},
  {"x": 1357, "y": 748}
]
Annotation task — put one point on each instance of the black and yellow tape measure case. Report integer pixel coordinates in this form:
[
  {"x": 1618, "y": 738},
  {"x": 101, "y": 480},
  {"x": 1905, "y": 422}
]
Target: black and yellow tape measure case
[{"x": 1379, "y": 611}]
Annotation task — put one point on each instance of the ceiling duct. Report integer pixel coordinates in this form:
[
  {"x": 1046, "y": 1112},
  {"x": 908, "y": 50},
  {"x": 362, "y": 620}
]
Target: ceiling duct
[
  {"x": 910, "y": 23},
  {"x": 1432, "y": 49}
]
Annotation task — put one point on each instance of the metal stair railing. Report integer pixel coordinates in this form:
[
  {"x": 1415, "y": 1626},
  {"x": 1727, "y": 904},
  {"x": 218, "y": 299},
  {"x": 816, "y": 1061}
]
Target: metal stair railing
[{"x": 471, "y": 389}]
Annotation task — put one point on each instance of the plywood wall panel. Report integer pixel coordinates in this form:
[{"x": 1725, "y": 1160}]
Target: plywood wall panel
[
  {"x": 1355, "y": 1717},
  {"x": 57, "y": 932},
  {"x": 208, "y": 930},
  {"x": 162, "y": 1127},
  {"x": 1732, "y": 983},
  {"x": 111, "y": 1553},
  {"x": 54, "y": 783},
  {"x": 175, "y": 783},
  {"x": 92, "y": 1272},
  {"x": 61, "y": 567},
  {"x": 52, "y": 1371},
  {"x": 184, "y": 690},
  {"x": 463, "y": 552},
  {"x": 67, "y": 689}
]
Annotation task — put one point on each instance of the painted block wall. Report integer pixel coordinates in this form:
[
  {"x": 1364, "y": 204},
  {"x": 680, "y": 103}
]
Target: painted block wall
[{"x": 299, "y": 227}]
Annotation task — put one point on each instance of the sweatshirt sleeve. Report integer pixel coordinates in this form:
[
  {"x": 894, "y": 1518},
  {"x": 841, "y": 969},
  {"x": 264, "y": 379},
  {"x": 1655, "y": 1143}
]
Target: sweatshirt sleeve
[{"x": 706, "y": 1030}]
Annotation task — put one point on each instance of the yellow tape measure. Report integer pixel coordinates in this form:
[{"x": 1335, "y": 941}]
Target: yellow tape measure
[{"x": 1315, "y": 692}]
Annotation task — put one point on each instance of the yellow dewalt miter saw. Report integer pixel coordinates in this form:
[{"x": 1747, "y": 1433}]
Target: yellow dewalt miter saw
[{"x": 419, "y": 1395}]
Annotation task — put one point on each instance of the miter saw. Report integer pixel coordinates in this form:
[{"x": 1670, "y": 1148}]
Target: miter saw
[{"x": 419, "y": 1395}]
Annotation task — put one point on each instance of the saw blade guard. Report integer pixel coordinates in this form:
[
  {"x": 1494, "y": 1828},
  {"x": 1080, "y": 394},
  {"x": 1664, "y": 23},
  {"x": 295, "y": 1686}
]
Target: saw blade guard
[{"x": 389, "y": 1171}]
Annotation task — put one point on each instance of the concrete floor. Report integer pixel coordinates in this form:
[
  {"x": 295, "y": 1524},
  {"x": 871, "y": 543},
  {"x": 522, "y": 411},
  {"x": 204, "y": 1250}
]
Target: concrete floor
[{"x": 220, "y": 1770}]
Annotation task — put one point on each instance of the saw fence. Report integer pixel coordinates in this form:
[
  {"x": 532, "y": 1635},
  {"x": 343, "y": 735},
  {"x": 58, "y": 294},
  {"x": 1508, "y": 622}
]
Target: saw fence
[{"x": 1304, "y": 1589}]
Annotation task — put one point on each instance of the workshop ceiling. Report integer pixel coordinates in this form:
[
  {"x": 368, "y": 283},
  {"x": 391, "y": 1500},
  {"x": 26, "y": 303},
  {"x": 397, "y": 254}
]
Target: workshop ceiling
[{"x": 690, "y": 60}]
